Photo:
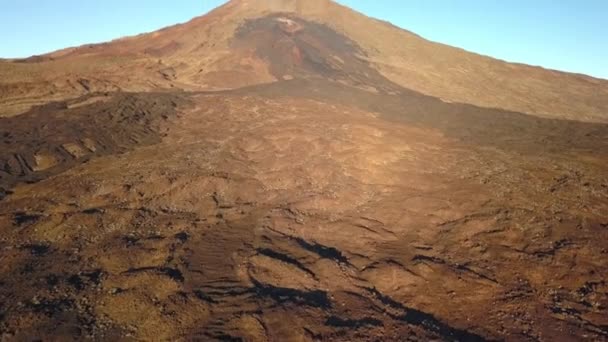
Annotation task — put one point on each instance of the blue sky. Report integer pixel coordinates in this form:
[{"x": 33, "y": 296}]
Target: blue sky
[{"x": 569, "y": 35}]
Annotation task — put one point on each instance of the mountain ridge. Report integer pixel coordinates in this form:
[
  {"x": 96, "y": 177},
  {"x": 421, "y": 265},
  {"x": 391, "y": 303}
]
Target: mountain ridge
[{"x": 452, "y": 74}]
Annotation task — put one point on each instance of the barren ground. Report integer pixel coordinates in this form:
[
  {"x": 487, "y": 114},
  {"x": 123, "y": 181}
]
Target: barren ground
[{"x": 317, "y": 199}]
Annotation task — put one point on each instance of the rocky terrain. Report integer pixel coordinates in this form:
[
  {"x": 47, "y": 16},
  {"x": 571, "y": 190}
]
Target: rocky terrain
[{"x": 282, "y": 170}]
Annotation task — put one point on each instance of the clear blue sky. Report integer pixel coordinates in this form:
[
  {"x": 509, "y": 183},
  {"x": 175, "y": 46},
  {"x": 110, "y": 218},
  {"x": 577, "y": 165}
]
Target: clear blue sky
[{"x": 569, "y": 35}]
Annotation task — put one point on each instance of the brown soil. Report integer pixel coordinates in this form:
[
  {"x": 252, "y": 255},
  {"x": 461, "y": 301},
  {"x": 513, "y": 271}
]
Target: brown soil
[
  {"x": 327, "y": 203},
  {"x": 52, "y": 138}
]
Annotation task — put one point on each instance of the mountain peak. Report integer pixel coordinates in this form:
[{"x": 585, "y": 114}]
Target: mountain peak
[
  {"x": 288, "y": 6},
  {"x": 208, "y": 53}
]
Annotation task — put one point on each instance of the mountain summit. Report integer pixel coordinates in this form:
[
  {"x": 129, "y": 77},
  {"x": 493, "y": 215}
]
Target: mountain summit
[
  {"x": 205, "y": 54},
  {"x": 290, "y": 170}
]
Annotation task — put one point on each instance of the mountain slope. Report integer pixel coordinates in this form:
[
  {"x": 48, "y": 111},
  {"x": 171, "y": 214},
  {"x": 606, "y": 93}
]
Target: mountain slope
[
  {"x": 272, "y": 172},
  {"x": 200, "y": 55}
]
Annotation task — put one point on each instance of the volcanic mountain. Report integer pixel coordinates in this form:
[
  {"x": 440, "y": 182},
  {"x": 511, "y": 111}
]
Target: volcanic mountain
[{"x": 290, "y": 170}]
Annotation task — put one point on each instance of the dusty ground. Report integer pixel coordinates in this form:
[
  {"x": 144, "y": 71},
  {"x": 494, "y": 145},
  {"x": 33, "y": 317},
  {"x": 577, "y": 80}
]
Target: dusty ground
[
  {"x": 289, "y": 218},
  {"x": 323, "y": 201}
]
